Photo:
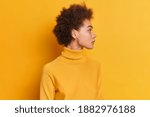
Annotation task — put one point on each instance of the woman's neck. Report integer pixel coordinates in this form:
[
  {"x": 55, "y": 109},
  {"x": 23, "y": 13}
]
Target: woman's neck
[{"x": 74, "y": 45}]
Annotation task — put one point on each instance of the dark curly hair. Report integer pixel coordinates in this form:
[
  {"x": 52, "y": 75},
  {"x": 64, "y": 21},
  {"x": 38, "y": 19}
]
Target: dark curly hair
[{"x": 71, "y": 18}]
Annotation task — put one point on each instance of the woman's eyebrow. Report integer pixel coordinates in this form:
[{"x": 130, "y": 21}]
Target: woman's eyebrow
[{"x": 90, "y": 26}]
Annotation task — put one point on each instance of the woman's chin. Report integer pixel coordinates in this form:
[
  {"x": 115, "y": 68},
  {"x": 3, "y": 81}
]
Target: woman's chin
[{"x": 89, "y": 47}]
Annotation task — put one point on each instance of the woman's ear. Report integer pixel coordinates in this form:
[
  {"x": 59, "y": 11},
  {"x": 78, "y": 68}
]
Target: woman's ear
[{"x": 74, "y": 33}]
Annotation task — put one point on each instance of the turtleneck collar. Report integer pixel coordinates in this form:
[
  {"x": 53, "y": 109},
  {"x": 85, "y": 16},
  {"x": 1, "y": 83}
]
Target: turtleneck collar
[{"x": 72, "y": 54}]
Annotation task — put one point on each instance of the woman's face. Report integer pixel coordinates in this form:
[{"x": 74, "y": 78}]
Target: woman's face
[{"x": 85, "y": 35}]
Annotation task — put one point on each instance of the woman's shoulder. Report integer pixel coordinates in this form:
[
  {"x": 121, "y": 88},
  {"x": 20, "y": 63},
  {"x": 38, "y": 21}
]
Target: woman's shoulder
[
  {"x": 50, "y": 65},
  {"x": 93, "y": 61}
]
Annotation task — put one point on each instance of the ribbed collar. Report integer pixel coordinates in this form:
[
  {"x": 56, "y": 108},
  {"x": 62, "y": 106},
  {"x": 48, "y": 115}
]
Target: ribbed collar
[{"x": 72, "y": 54}]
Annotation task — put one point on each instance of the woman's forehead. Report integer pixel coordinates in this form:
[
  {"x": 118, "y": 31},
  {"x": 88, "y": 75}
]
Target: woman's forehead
[{"x": 87, "y": 23}]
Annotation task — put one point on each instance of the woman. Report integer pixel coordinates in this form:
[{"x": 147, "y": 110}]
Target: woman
[{"x": 72, "y": 75}]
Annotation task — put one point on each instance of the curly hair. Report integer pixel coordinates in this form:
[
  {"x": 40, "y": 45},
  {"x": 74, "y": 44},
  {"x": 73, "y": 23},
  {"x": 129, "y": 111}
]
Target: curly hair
[{"x": 71, "y": 18}]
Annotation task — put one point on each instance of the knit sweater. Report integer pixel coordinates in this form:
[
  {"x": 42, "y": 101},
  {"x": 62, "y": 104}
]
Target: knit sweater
[{"x": 71, "y": 76}]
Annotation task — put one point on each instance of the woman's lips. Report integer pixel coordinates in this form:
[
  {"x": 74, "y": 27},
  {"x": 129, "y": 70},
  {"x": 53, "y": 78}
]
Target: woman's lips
[{"x": 93, "y": 41}]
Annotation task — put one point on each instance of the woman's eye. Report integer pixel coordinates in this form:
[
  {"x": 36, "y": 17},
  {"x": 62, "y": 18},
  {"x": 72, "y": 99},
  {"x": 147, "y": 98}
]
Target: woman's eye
[{"x": 90, "y": 30}]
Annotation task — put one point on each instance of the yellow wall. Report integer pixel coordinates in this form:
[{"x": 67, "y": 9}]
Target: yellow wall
[{"x": 122, "y": 45}]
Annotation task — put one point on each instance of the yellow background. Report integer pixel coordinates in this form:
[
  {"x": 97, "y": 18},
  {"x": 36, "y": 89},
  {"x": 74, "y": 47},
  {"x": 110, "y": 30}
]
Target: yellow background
[{"x": 122, "y": 45}]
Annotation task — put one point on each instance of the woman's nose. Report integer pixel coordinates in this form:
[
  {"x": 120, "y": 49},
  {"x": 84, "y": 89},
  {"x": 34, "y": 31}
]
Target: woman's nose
[{"x": 94, "y": 35}]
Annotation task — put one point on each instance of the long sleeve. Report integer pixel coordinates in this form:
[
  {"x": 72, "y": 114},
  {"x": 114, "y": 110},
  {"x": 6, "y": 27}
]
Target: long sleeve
[
  {"x": 47, "y": 86},
  {"x": 100, "y": 88},
  {"x": 71, "y": 76}
]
